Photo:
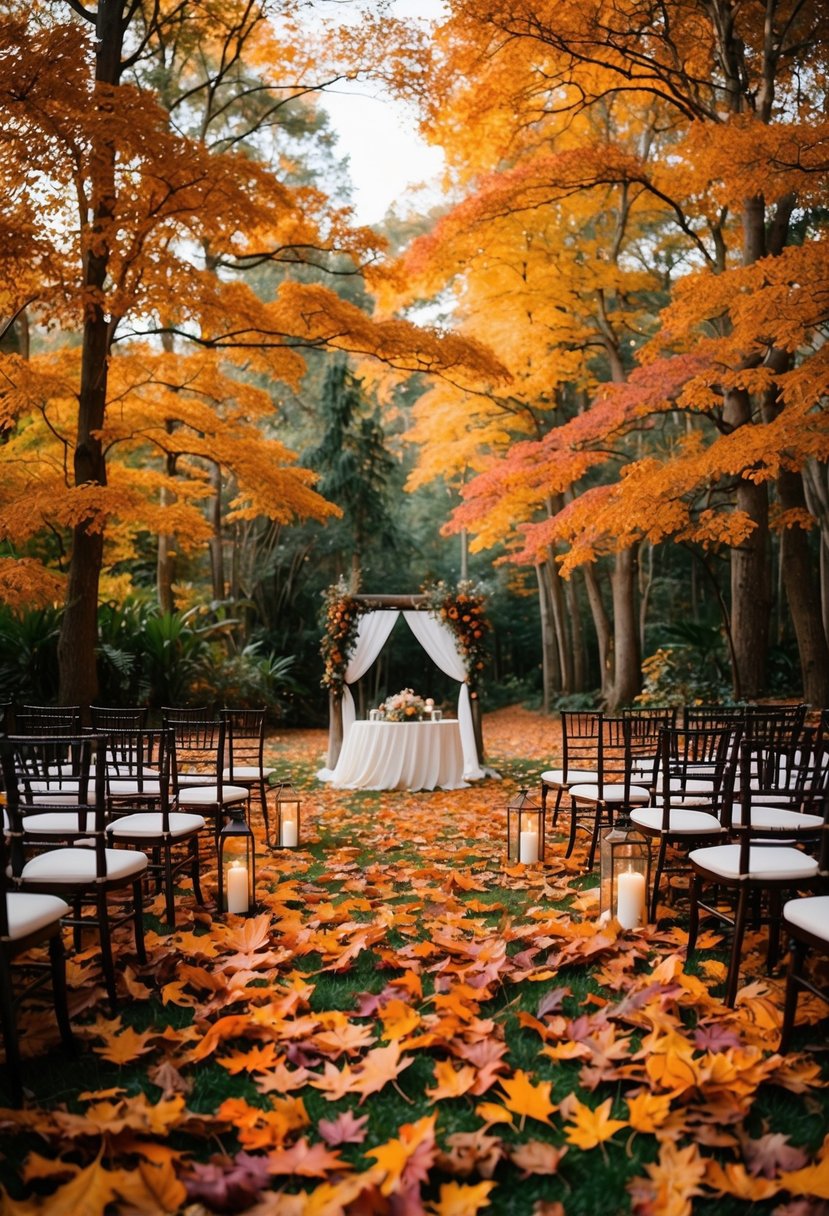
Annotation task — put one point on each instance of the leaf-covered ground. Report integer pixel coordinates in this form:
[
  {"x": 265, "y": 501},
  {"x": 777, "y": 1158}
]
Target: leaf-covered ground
[{"x": 410, "y": 1025}]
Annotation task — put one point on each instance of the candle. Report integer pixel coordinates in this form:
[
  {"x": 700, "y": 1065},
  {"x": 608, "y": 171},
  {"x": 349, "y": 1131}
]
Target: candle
[
  {"x": 237, "y": 888},
  {"x": 528, "y": 847},
  {"x": 630, "y": 899},
  {"x": 288, "y": 835}
]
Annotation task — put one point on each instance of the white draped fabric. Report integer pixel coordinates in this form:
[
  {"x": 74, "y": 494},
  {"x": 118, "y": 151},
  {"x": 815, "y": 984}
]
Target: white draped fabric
[
  {"x": 439, "y": 643},
  {"x": 438, "y": 640},
  {"x": 373, "y": 629}
]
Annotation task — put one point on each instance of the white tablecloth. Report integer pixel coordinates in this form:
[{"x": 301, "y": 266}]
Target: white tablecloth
[{"x": 401, "y": 756}]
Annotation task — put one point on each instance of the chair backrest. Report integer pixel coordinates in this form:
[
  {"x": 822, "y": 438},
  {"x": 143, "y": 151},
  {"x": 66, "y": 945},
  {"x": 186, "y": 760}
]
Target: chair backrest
[
  {"x": 198, "y": 747},
  {"x": 185, "y": 713},
  {"x": 48, "y": 720},
  {"x": 36, "y": 766},
  {"x": 700, "y": 766},
  {"x": 244, "y": 737},
  {"x": 644, "y": 726},
  {"x": 581, "y": 739},
  {"x": 704, "y": 717},
  {"x": 138, "y": 764},
  {"x": 616, "y": 758},
  {"x": 105, "y": 718}
]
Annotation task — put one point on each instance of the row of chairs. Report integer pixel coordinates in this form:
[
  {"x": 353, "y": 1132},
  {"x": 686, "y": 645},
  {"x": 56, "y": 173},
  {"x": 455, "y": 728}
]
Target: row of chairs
[
  {"x": 91, "y": 814},
  {"x": 739, "y": 795}
]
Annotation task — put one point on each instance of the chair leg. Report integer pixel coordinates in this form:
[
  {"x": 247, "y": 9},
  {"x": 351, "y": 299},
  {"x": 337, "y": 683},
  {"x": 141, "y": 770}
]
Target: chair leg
[
  {"x": 194, "y": 869},
  {"x": 693, "y": 915},
  {"x": 57, "y": 963},
  {"x": 775, "y": 911},
  {"x": 8, "y": 1023},
  {"x": 169, "y": 893},
  {"x": 657, "y": 876},
  {"x": 105, "y": 940},
  {"x": 796, "y": 965},
  {"x": 740, "y": 916},
  {"x": 263, "y": 798},
  {"x": 138, "y": 919},
  {"x": 594, "y": 839},
  {"x": 571, "y": 843},
  {"x": 556, "y": 808}
]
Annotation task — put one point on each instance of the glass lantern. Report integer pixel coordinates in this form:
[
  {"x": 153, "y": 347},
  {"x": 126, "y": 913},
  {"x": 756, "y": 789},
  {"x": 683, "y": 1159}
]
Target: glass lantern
[
  {"x": 237, "y": 864},
  {"x": 525, "y": 830},
  {"x": 625, "y": 873},
  {"x": 287, "y": 817}
]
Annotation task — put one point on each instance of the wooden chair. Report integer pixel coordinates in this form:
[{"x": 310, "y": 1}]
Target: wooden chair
[
  {"x": 592, "y": 803},
  {"x": 28, "y": 921},
  {"x": 169, "y": 838},
  {"x": 48, "y": 720},
  {"x": 807, "y": 922},
  {"x": 84, "y": 874},
  {"x": 756, "y": 870},
  {"x": 244, "y": 756},
  {"x": 198, "y": 768},
  {"x": 693, "y": 792},
  {"x": 581, "y": 741},
  {"x": 105, "y": 718}
]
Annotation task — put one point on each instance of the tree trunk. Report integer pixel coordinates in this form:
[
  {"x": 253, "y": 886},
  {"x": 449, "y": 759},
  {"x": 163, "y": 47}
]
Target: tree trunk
[
  {"x": 563, "y": 648},
  {"x": 601, "y": 624},
  {"x": 627, "y": 661},
  {"x": 217, "y": 564},
  {"x": 549, "y": 657},
  {"x": 166, "y": 555},
  {"x": 79, "y": 628},
  {"x": 803, "y": 595},
  {"x": 576, "y": 634}
]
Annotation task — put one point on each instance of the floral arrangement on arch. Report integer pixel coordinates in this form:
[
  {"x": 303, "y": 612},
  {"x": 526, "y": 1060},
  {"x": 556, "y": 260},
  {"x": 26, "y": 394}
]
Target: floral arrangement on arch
[
  {"x": 341, "y": 620},
  {"x": 464, "y": 611},
  {"x": 404, "y": 706}
]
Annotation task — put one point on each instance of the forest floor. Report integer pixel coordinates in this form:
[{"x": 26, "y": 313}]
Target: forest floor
[{"x": 411, "y": 1025}]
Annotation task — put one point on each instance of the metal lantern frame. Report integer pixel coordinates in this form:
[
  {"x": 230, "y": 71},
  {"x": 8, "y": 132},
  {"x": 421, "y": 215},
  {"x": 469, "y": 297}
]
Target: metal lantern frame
[
  {"x": 624, "y": 850},
  {"x": 525, "y": 819},
  {"x": 288, "y": 811},
  {"x": 237, "y": 843}
]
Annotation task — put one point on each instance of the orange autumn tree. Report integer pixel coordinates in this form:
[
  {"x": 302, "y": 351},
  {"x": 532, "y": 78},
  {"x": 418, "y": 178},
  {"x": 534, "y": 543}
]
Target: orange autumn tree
[
  {"x": 125, "y": 231},
  {"x": 544, "y": 265},
  {"x": 738, "y": 166}
]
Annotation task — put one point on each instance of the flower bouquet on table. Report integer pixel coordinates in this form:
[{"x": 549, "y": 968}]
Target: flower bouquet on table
[{"x": 404, "y": 706}]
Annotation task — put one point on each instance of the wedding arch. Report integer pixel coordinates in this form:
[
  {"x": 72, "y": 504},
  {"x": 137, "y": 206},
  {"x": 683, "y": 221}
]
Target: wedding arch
[{"x": 358, "y": 627}]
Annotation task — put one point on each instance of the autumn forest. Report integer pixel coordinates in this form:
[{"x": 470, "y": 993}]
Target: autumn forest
[
  {"x": 591, "y": 378},
  {"x": 574, "y": 401}
]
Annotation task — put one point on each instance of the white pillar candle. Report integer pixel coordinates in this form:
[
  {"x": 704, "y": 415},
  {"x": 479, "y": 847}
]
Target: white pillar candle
[
  {"x": 528, "y": 847},
  {"x": 237, "y": 888},
  {"x": 288, "y": 836},
  {"x": 630, "y": 899}
]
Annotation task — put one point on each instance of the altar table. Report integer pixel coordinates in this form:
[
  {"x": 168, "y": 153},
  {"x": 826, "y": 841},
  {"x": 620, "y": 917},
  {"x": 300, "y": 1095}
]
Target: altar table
[{"x": 401, "y": 756}]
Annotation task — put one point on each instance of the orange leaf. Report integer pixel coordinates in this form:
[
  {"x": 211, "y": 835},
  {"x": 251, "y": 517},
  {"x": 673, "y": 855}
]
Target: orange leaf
[
  {"x": 393, "y": 1156},
  {"x": 451, "y": 1082},
  {"x": 587, "y": 1127},
  {"x": 459, "y": 1200},
  {"x": 526, "y": 1099},
  {"x": 537, "y": 1157},
  {"x": 126, "y": 1046}
]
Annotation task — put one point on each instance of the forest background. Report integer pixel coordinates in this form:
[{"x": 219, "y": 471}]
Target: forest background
[{"x": 592, "y": 378}]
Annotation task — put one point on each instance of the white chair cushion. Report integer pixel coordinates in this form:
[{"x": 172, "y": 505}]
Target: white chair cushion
[
  {"x": 57, "y": 823},
  {"x": 810, "y": 913},
  {"x": 78, "y": 865},
  {"x": 63, "y": 798},
  {"x": 28, "y": 912},
  {"x": 772, "y": 863},
  {"x": 246, "y": 772},
  {"x": 555, "y": 776},
  {"x": 208, "y": 795},
  {"x": 680, "y": 821},
  {"x": 196, "y": 778},
  {"x": 692, "y": 785},
  {"x": 126, "y": 787},
  {"x": 148, "y": 823},
  {"x": 778, "y": 818},
  {"x": 609, "y": 793}
]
